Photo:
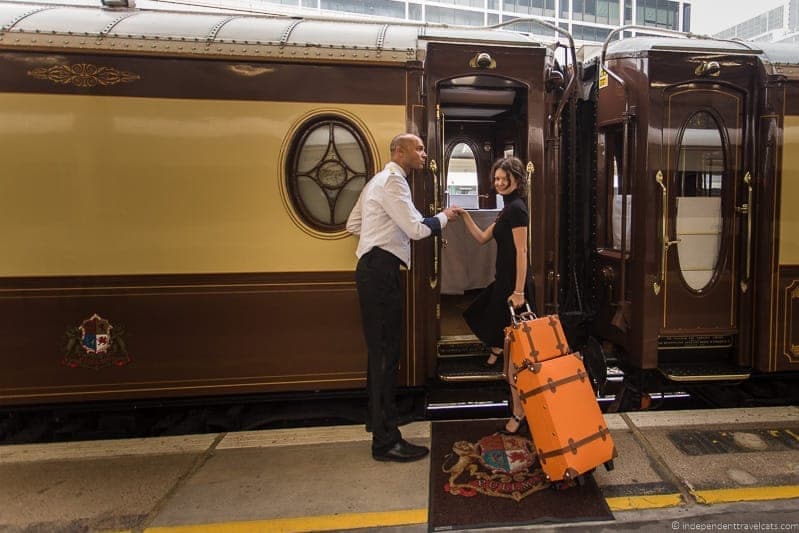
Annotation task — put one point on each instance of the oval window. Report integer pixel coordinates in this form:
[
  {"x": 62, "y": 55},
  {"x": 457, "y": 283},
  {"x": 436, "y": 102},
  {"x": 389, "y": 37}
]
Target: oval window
[
  {"x": 699, "y": 191},
  {"x": 328, "y": 166},
  {"x": 462, "y": 177}
]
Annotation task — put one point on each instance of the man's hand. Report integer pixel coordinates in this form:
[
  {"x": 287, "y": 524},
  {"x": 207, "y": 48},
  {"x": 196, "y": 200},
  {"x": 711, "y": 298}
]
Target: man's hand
[{"x": 452, "y": 212}]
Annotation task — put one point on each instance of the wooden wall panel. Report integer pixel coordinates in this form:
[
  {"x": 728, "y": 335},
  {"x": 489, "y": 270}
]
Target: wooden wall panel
[{"x": 180, "y": 336}]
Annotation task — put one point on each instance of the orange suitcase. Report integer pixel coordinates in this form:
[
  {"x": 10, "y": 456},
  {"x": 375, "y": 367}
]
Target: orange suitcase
[
  {"x": 568, "y": 429},
  {"x": 530, "y": 340}
]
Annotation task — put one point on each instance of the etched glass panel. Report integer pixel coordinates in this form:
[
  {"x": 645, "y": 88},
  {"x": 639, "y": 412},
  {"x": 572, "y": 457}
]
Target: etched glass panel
[{"x": 329, "y": 167}]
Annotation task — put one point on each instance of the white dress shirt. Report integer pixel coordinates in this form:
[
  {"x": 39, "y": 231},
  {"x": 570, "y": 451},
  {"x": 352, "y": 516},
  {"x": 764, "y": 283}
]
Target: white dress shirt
[{"x": 385, "y": 216}]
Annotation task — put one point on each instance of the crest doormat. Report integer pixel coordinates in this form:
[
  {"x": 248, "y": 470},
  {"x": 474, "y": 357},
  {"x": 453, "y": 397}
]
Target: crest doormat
[{"x": 481, "y": 478}]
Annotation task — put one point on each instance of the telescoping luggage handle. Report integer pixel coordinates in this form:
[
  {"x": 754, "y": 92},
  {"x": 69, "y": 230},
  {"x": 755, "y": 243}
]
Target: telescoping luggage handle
[{"x": 524, "y": 315}]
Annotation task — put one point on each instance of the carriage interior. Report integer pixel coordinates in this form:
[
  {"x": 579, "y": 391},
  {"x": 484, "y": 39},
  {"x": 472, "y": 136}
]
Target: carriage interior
[{"x": 481, "y": 118}]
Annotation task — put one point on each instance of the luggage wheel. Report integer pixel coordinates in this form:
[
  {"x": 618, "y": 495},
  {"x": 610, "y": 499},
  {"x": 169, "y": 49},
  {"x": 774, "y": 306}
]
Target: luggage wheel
[
  {"x": 609, "y": 465},
  {"x": 565, "y": 484}
]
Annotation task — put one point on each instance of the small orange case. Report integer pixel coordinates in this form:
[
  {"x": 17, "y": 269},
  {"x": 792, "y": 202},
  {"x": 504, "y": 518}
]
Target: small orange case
[{"x": 532, "y": 340}]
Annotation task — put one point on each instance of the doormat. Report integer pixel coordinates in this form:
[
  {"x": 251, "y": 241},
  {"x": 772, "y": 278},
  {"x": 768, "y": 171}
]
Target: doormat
[{"x": 480, "y": 478}]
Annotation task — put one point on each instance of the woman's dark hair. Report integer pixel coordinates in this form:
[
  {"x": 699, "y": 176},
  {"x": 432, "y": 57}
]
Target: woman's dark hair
[{"x": 512, "y": 166}]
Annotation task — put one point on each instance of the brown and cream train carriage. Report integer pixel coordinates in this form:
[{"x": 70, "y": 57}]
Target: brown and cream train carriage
[
  {"x": 694, "y": 255},
  {"x": 175, "y": 187}
]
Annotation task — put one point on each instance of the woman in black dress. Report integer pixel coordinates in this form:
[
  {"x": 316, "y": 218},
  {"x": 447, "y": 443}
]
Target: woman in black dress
[{"x": 489, "y": 314}]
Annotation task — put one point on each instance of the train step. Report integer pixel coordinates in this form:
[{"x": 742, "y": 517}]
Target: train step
[
  {"x": 701, "y": 372},
  {"x": 452, "y": 401},
  {"x": 468, "y": 368},
  {"x": 460, "y": 346}
]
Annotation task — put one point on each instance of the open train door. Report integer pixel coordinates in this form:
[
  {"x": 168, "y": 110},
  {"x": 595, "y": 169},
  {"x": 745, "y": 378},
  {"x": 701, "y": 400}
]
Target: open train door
[
  {"x": 483, "y": 100},
  {"x": 706, "y": 213}
]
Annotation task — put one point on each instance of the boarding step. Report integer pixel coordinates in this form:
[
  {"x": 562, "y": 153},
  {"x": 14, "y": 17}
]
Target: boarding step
[
  {"x": 459, "y": 400},
  {"x": 703, "y": 372},
  {"x": 460, "y": 346},
  {"x": 470, "y": 368}
]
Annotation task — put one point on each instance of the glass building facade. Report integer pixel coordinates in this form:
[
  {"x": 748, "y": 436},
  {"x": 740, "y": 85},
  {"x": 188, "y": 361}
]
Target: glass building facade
[
  {"x": 780, "y": 24},
  {"x": 587, "y": 20}
]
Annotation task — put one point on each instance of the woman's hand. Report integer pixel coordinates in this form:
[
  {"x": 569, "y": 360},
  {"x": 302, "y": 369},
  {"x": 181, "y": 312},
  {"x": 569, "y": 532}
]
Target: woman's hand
[{"x": 517, "y": 300}]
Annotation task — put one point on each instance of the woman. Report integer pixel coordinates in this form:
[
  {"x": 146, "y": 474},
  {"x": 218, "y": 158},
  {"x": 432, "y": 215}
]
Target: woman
[{"x": 489, "y": 313}]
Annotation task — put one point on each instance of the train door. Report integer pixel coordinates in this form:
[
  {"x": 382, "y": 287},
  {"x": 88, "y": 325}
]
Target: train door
[
  {"x": 705, "y": 231},
  {"x": 482, "y": 103}
]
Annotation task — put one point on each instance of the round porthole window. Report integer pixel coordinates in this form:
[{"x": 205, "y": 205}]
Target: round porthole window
[{"x": 328, "y": 166}]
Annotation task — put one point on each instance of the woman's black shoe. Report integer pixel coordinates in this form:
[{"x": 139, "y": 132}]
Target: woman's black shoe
[{"x": 521, "y": 428}]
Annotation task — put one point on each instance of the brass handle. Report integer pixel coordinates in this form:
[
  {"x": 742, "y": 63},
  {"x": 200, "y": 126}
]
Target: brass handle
[
  {"x": 664, "y": 242},
  {"x": 434, "y": 208},
  {"x": 530, "y": 171},
  {"x": 747, "y": 209}
]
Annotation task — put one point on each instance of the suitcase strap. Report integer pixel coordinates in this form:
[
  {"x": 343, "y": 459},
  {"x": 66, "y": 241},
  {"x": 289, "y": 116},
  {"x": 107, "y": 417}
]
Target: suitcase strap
[
  {"x": 574, "y": 445},
  {"x": 552, "y": 385},
  {"x": 554, "y": 322}
]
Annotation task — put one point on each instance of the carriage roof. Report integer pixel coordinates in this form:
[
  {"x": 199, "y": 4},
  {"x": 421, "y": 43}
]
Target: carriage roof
[
  {"x": 158, "y": 28},
  {"x": 780, "y": 59}
]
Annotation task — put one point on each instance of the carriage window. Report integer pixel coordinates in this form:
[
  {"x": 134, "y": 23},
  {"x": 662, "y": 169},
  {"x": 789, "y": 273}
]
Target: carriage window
[
  {"x": 462, "y": 177},
  {"x": 618, "y": 201},
  {"x": 328, "y": 168},
  {"x": 699, "y": 188}
]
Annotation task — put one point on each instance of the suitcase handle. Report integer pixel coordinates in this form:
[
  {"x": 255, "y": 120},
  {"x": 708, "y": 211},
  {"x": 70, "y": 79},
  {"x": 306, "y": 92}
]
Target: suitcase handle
[{"x": 524, "y": 315}]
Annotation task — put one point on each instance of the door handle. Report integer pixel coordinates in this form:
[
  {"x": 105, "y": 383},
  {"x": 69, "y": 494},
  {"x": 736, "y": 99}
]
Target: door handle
[
  {"x": 665, "y": 243},
  {"x": 747, "y": 209},
  {"x": 434, "y": 209}
]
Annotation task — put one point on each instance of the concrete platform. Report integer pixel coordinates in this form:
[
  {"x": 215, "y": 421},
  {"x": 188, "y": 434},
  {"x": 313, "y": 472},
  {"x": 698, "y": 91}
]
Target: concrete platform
[{"x": 670, "y": 464}]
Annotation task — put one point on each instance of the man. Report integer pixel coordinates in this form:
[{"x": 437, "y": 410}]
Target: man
[{"x": 386, "y": 220}]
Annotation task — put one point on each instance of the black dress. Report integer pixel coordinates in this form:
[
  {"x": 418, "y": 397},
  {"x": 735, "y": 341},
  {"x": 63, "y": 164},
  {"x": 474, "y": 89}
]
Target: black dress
[{"x": 488, "y": 315}]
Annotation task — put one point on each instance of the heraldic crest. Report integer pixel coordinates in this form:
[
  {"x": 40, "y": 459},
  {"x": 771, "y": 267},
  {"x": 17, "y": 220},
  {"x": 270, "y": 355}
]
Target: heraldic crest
[
  {"x": 498, "y": 465},
  {"x": 95, "y": 344}
]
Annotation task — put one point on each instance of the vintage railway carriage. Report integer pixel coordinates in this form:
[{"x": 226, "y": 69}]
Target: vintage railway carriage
[
  {"x": 694, "y": 254},
  {"x": 175, "y": 187}
]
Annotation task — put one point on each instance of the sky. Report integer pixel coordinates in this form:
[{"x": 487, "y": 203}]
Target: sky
[{"x": 712, "y": 16}]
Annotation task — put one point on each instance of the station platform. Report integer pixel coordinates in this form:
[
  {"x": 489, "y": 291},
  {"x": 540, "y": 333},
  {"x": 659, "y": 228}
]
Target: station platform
[{"x": 730, "y": 469}]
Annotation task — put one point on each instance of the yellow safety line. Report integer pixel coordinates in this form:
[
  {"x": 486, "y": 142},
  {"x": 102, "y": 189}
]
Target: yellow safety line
[
  {"x": 419, "y": 516},
  {"x": 711, "y": 496},
  {"x": 311, "y": 523},
  {"x": 650, "y": 501}
]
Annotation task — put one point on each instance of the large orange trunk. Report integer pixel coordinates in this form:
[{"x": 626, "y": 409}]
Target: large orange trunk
[{"x": 567, "y": 426}]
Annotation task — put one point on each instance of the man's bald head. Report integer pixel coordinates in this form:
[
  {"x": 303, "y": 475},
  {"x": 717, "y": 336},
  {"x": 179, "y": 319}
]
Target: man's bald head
[{"x": 407, "y": 150}]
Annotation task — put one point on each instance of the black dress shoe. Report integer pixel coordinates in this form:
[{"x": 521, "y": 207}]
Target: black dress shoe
[{"x": 401, "y": 452}]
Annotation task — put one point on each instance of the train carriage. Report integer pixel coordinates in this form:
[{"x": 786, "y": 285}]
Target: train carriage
[
  {"x": 176, "y": 186},
  {"x": 692, "y": 256}
]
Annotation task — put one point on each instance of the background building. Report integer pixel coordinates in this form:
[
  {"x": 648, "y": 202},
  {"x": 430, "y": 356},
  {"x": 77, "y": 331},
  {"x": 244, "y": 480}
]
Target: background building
[
  {"x": 780, "y": 24},
  {"x": 587, "y": 20}
]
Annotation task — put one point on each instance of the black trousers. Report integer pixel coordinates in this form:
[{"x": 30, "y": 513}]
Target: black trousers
[{"x": 378, "y": 280}]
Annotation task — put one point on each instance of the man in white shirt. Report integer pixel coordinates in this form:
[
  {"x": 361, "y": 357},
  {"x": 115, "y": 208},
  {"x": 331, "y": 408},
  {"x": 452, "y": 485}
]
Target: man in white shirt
[{"x": 386, "y": 220}]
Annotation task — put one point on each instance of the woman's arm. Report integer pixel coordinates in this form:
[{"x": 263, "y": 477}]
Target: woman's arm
[
  {"x": 520, "y": 243},
  {"x": 480, "y": 235}
]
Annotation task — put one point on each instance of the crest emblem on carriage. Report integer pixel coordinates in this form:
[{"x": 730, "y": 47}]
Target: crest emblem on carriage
[
  {"x": 503, "y": 466},
  {"x": 95, "y": 344}
]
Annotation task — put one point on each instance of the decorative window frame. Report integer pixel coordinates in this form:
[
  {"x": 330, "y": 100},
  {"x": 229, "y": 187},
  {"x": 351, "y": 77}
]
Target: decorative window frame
[{"x": 287, "y": 156}]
